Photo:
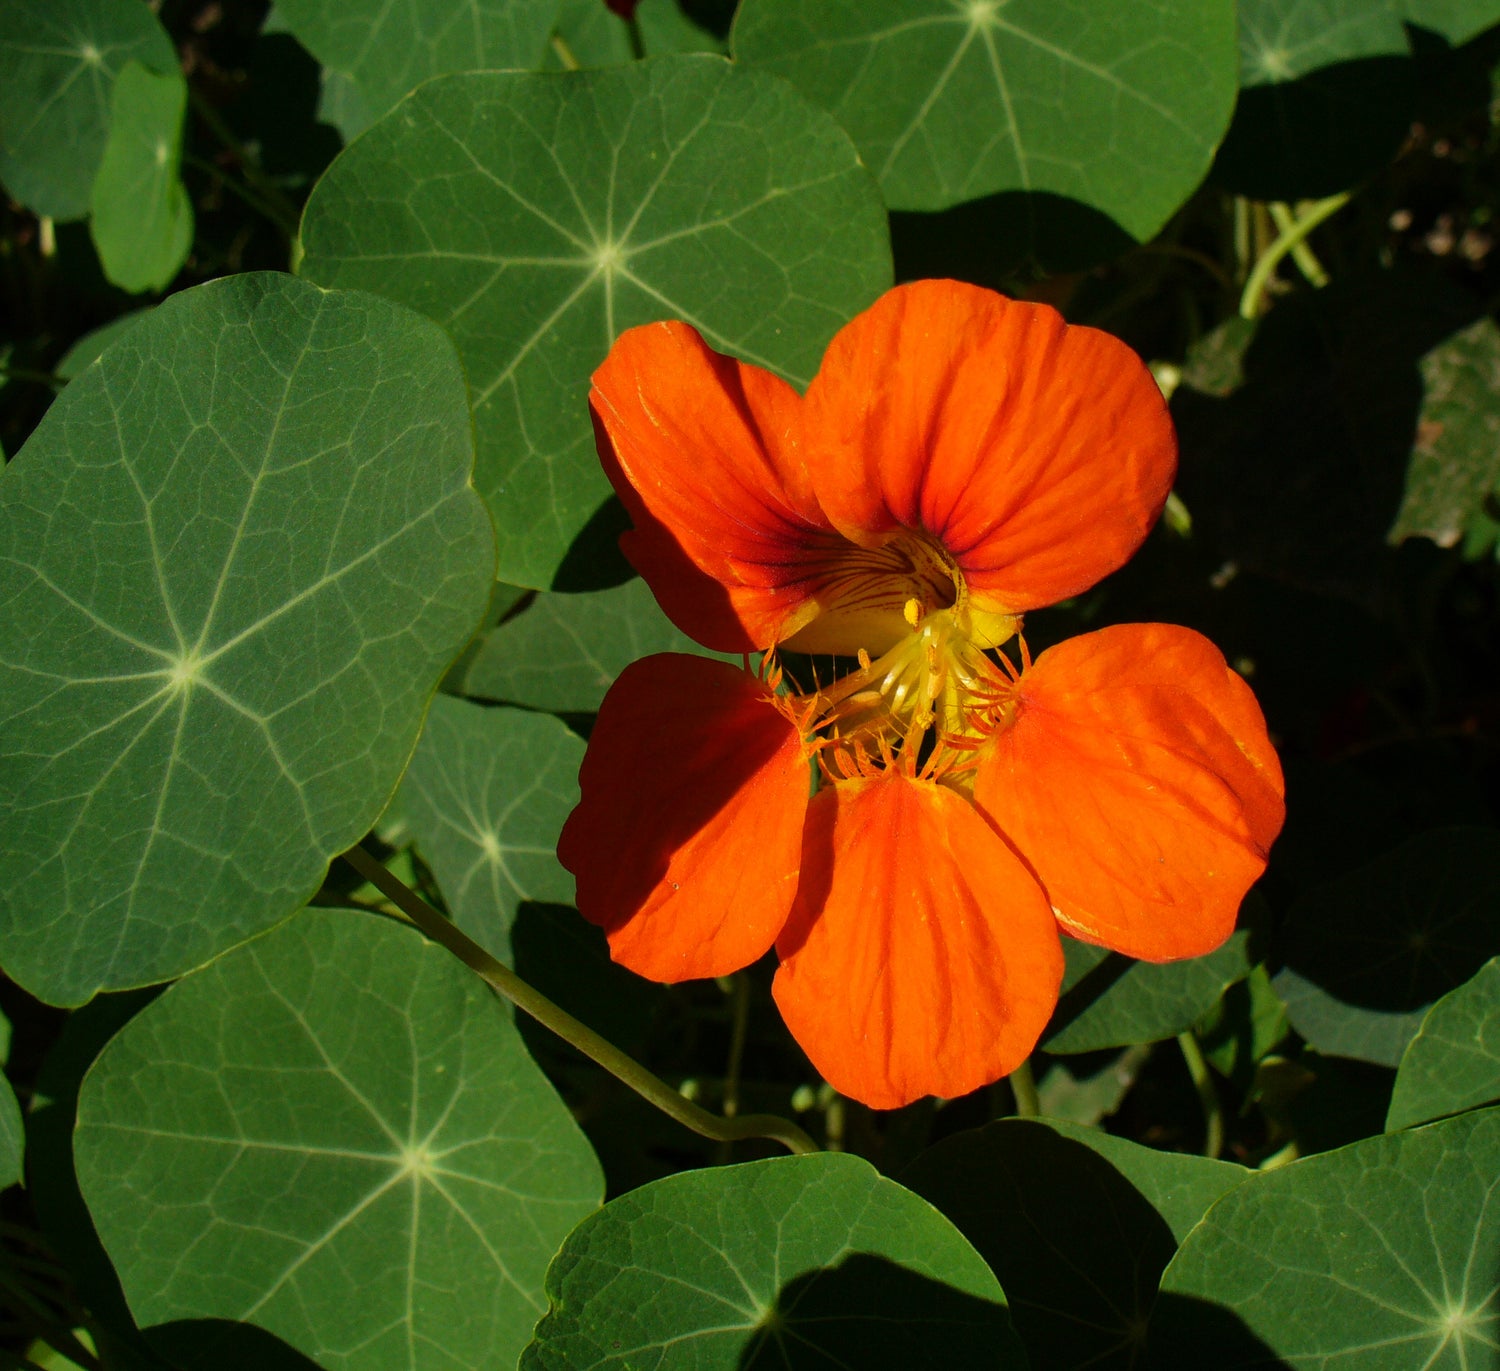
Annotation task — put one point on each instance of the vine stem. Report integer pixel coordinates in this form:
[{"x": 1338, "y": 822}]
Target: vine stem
[
  {"x": 1023, "y": 1086},
  {"x": 1208, "y": 1096},
  {"x": 1286, "y": 241},
  {"x": 598, "y": 1049},
  {"x": 1303, "y": 255}
]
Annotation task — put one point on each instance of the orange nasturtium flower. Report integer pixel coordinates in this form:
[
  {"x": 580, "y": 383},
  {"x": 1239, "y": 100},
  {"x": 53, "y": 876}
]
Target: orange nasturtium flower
[{"x": 959, "y": 459}]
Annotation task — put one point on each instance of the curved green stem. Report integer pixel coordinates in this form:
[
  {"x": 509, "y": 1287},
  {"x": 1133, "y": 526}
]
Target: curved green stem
[
  {"x": 1303, "y": 255},
  {"x": 598, "y": 1049},
  {"x": 1023, "y": 1086},
  {"x": 1289, "y": 238},
  {"x": 1208, "y": 1096},
  {"x": 282, "y": 212}
]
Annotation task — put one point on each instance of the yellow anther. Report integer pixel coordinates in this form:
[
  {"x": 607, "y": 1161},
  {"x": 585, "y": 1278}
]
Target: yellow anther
[{"x": 911, "y": 611}]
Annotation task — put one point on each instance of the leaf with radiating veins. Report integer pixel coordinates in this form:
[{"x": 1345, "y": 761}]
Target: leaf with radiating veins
[
  {"x": 236, "y": 556},
  {"x": 58, "y": 64},
  {"x": 537, "y": 216},
  {"x": 335, "y": 1133},
  {"x": 797, "y": 1262}
]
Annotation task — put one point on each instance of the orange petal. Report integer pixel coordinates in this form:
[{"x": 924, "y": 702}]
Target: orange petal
[
  {"x": 1039, "y": 454},
  {"x": 702, "y": 449},
  {"x": 688, "y": 836},
  {"x": 921, "y": 957},
  {"x": 1139, "y": 783}
]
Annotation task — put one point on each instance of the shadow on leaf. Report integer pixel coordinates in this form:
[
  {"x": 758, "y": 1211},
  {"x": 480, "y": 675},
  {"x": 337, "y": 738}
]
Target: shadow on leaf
[
  {"x": 870, "y": 1313},
  {"x": 991, "y": 240}
]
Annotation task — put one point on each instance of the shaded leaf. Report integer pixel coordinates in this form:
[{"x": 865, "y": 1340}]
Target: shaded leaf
[
  {"x": 795, "y": 1262},
  {"x": 1116, "y": 108},
  {"x": 236, "y": 555},
  {"x": 1326, "y": 95},
  {"x": 564, "y": 651},
  {"x": 1085, "y": 1094},
  {"x": 538, "y": 216},
  {"x": 1455, "y": 463},
  {"x": 1078, "y": 1240},
  {"x": 91, "y": 346},
  {"x": 1297, "y": 472},
  {"x": 58, "y": 64},
  {"x": 384, "y": 50},
  {"x": 1454, "y": 1061},
  {"x": 1243, "y": 1026},
  {"x": 335, "y": 1133},
  {"x": 12, "y": 1135},
  {"x": 1456, "y": 20},
  {"x": 140, "y": 217},
  {"x": 1381, "y": 1254},
  {"x": 1109, "y": 1000},
  {"x": 1368, "y": 953},
  {"x": 484, "y": 798}
]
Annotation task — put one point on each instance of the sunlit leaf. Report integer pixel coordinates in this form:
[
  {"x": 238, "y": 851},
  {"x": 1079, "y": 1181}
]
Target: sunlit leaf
[
  {"x": 484, "y": 798},
  {"x": 1379, "y": 1255},
  {"x": 537, "y": 216},
  {"x": 1367, "y": 954},
  {"x": 1117, "y": 107},
  {"x": 58, "y": 64},
  {"x": 1077, "y": 1239},
  {"x": 384, "y": 50},
  {"x": 563, "y": 651},
  {"x": 1326, "y": 96},
  {"x": 1454, "y": 1061},
  {"x": 1112, "y": 1001},
  {"x": 335, "y": 1133},
  {"x": 795, "y": 1262},
  {"x": 236, "y": 556},
  {"x": 1455, "y": 463},
  {"x": 140, "y": 217}
]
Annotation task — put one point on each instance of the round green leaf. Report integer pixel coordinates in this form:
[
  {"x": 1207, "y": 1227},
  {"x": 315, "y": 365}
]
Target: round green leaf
[
  {"x": 1456, "y": 20},
  {"x": 1367, "y": 954},
  {"x": 795, "y": 1262},
  {"x": 485, "y": 797},
  {"x": 563, "y": 651},
  {"x": 335, "y": 1133},
  {"x": 1112, "y": 1001},
  {"x": 1377, "y": 1257},
  {"x": 384, "y": 50},
  {"x": 140, "y": 219},
  {"x": 1455, "y": 462},
  {"x": 1454, "y": 1061},
  {"x": 539, "y": 215},
  {"x": 1077, "y": 1239},
  {"x": 236, "y": 556},
  {"x": 1116, "y": 107},
  {"x": 58, "y": 63},
  {"x": 1326, "y": 96}
]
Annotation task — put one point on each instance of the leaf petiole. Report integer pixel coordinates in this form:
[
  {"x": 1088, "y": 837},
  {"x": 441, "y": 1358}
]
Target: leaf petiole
[{"x": 598, "y": 1049}]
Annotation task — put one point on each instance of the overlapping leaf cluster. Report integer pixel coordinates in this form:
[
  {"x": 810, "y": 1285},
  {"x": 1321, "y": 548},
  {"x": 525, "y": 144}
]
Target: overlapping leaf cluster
[{"x": 316, "y": 550}]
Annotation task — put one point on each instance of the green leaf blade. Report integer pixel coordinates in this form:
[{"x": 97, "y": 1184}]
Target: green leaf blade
[
  {"x": 1119, "y": 109},
  {"x": 538, "y": 216},
  {"x": 1380, "y": 1254},
  {"x": 140, "y": 216},
  {"x": 485, "y": 798},
  {"x": 797, "y": 1261},
  {"x": 335, "y": 1133},
  {"x": 385, "y": 50},
  {"x": 277, "y": 480},
  {"x": 1453, "y": 1063},
  {"x": 58, "y": 64}
]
